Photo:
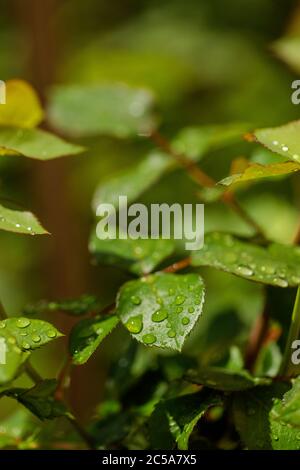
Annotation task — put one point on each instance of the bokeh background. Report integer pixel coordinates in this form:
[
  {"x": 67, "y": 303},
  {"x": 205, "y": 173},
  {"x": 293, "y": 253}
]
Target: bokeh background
[{"x": 208, "y": 62}]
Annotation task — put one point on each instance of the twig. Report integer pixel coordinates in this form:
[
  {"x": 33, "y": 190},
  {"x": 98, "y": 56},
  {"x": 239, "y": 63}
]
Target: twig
[
  {"x": 61, "y": 379},
  {"x": 184, "y": 263},
  {"x": 257, "y": 338},
  {"x": 201, "y": 178}
]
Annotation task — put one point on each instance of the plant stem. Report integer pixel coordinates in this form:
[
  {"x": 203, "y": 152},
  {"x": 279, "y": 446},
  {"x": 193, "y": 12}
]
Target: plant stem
[
  {"x": 184, "y": 263},
  {"x": 32, "y": 373},
  {"x": 287, "y": 369},
  {"x": 202, "y": 179}
]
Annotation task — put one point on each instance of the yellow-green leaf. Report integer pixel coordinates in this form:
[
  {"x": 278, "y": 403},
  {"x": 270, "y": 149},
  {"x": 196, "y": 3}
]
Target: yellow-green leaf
[
  {"x": 22, "y": 108},
  {"x": 284, "y": 140},
  {"x": 256, "y": 171},
  {"x": 20, "y": 222}
]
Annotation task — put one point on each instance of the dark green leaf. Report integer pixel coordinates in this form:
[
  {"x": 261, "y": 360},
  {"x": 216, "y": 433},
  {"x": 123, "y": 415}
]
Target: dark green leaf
[
  {"x": 277, "y": 265},
  {"x": 173, "y": 420},
  {"x": 224, "y": 379},
  {"x": 88, "y": 334},
  {"x": 254, "y": 420},
  {"x": 39, "y": 399},
  {"x": 161, "y": 309},
  {"x": 74, "y": 307}
]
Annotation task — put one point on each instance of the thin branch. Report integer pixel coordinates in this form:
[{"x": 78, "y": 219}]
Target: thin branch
[
  {"x": 182, "y": 264},
  {"x": 257, "y": 338},
  {"x": 33, "y": 373},
  {"x": 62, "y": 376},
  {"x": 201, "y": 178}
]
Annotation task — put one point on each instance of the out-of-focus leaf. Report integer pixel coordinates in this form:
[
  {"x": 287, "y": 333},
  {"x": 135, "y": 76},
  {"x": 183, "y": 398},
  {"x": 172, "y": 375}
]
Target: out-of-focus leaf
[
  {"x": 269, "y": 361},
  {"x": 20, "y": 222},
  {"x": 175, "y": 419},
  {"x": 254, "y": 420},
  {"x": 196, "y": 141},
  {"x": 288, "y": 50},
  {"x": 224, "y": 379},
  {"x": 112, "y": 109},
  {"x": 35, "y": 143},
  {"x": 133, "y": 181},
  {"x": 74, "y": 307},
  {"x": 161, "y": 309},
  {"x": 256, "y": 171},
  {"x": 22, "y": 108},
  {"x": 12, "y": 358},
  {"x": 277, "y": 265},
  {"x": 87, "y": 335},
  {"x": 287, "y": 410},
  {"x": 39, "y": 399},
  {"x": 284, "y": 140},
  {"x": 138, "y": 256}
]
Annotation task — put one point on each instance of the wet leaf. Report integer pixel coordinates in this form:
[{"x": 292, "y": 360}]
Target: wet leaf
[
  {"x": 35, "y": 143},
  {"x": 74, "y": 307},
  {"x": 22, "y": 108},
  {"x": 161, "y": 309},
  {"x": 87, "y": 335},
  {"x": 284, "y": 140},
  {"x": 20, "y": 222},
  {"x": 173, "y": 420},
  {"x": 110, "y": 109},
  {"x": 277, "y": 265},
  {"x": 254, "y": 420},
  {"x": 287, "y": 410},
  {"x": 256, "y": 171}
]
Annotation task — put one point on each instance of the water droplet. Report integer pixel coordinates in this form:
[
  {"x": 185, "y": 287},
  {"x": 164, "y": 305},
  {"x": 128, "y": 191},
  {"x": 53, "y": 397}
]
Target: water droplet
[
  {"x": 179, "y": 309},
  {"x": 135, "y": 300},
  {"x": 135, "y": 324},
  {"x": 25, "y": 345},
  {"x": 18, "y": 225},
  {"x": 296, "y": 157},
  {"x": 51, "y": 333},
  {"x": 285, "y": 148},
  {"x": 276, "y": 438},
  {"x": 280, "y": 282},
  {"x": 36, "y": 338},
  {"x": 245, "y": 271},
  {"x": 275, "y": 142},
  {"x": 159, "y": 315},
  {"x": 185, "y": 321},
  {"x": 191, "y": 309},
  {"x": 149, "y": 338},
  {"x": 179, "y": 299},
  {"x": 171, "y": 334},
  {"x": 23, "y": 322}
]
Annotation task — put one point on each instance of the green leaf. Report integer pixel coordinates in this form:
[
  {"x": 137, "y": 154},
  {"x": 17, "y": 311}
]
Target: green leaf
[
  {"x": 20, "y": 222},
  {"x": 74, "y": 307},
  {"x": 133, "y": 181},
  {"x": 161, "y": 309},
  {"x": 284, "y": 140},
  {"x": 277, "y": 265},
  {"x": 224, "y": 379},
  {"x": 39, "y": 399},
  {"x": 288, "y": 50},
  {"x": 175, "y": 419},
  {"x": 195, "y": 142},
  {"x": 254, "y": 420},
  {"x": 27, "y": 334},
  {"x": 287, "y": 410},
  {"x": 12, "y": 358},
  {"x": 138, "y": 256},
  {"x": 87, "y": 335},
  {"x": 112, "y": 109},
  {"x": 34, "y": 143},
  {"x": 22, "y": 108},
  {"x": 256, "y": 171}
]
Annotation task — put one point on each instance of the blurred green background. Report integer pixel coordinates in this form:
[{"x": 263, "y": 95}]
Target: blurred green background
[{"x": 207, "y": 62}]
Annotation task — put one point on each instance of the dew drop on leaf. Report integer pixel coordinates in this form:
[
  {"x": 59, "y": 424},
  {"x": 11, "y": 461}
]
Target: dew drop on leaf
[
  {"x": 23, "y": 322},
  {"x": 149, "y": 338},
  {"x": 159, "y": 315},
  {"x": 134, "y": 324}
]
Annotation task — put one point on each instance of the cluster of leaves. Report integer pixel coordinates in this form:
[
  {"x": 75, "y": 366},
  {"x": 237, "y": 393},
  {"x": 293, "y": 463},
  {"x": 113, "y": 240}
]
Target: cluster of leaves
[{"x": 154, "y": 400}]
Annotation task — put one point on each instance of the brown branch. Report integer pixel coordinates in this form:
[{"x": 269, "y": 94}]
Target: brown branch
[
  {"x": 257, "y": 338},
  {"x": 201, "y": 178},
  {"x": 182, "y": 264}
]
